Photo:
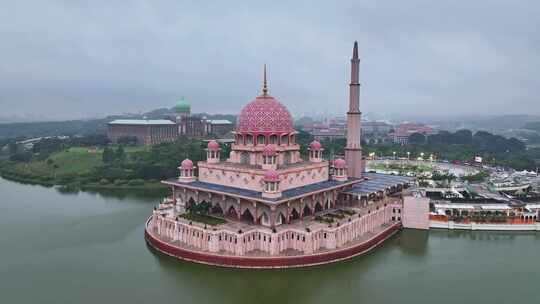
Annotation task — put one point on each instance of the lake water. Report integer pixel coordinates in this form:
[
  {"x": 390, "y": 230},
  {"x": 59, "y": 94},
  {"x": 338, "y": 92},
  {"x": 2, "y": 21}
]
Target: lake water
[{"x": 89, "y": 248}]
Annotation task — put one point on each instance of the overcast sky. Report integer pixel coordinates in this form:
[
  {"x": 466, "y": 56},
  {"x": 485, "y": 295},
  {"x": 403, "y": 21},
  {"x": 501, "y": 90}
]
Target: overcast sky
[{"x": 75, "y": 59}]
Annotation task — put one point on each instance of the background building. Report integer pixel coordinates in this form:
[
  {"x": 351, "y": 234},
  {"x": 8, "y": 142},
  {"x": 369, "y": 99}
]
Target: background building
[
  {"x": 403, "y": 131},
  {"x": 147, "y": 132},
  {"x": 179, "y": 123},
  {"x": 374, "y": 132},
  {"x": 219, "y": 127},
  {"x": 376, "y": 128},
  {"x": 321, "y": 134}
]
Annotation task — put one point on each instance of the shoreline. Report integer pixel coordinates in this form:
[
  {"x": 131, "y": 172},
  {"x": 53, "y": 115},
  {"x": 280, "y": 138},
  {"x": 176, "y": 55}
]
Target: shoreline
[{"x": 153, "y": 186}]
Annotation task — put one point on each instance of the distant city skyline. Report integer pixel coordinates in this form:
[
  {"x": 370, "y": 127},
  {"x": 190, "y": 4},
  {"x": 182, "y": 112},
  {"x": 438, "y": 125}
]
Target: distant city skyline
[{"x": 81, "y": 60}]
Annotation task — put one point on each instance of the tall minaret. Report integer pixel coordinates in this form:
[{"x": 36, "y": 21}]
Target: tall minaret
[
  {"x": 353, "y": 150},
  {"x": 265, "y": 86}
]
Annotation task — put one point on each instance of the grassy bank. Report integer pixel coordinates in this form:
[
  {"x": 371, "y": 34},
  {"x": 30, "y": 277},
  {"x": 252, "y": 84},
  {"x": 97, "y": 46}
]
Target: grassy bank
[{"x": 74, "y": 168}]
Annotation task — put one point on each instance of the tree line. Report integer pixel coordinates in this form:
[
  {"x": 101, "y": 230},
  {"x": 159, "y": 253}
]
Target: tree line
[
  {"x": 462, "y": 145},
  {"x": 481, "y": 140}
]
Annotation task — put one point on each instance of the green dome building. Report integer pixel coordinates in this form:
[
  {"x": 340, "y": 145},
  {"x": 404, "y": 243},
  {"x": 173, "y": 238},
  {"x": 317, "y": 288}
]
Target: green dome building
[{"x": 182, "y": 106}]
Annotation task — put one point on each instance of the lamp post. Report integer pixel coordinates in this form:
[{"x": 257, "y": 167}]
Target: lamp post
[
  {"x": 408, "y": 155},
  {"x": 394, "y": 154}
]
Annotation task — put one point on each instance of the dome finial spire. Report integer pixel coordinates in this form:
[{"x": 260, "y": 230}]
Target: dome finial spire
[{"x": 265, "y": 86}]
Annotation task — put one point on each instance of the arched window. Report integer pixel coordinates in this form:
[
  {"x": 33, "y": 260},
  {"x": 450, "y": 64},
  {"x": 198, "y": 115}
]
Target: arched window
[
  {"x": 260, "y": 139},
  {"x": 249, "y": 139},
  {"x": 264, "y": 219},
  {"x": 287, "y": 157},
  {"x": 244, "y": 158},
  {"x": 269, "y": 160},
  {"x": 280, "y": 220},
  {"x": 273, "y": 139}
]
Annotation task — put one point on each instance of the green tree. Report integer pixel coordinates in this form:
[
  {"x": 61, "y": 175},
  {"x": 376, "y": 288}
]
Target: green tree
[
  {"x": 21, "y": 157},
  {"x": 120, "y": 154},
  {"x": 463, "y": 137},
  {"x": 12, "y": 148},
  {"x": 417, "y": 139},
  {"x": 108, "y": 155}
]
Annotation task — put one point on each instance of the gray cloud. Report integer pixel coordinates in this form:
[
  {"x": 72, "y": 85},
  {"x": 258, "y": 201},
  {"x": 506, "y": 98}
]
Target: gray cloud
[{"x": 88, "y": 58}]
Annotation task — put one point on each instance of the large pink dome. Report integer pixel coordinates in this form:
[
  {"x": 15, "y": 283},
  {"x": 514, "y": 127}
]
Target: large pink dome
[{"x": 265, "y": 115}]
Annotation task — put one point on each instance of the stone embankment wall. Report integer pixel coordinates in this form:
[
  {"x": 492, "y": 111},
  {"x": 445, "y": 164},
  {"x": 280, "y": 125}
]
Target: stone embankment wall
[
  {"x": 476, "y": 226},
  {"x": 240, "y": 244},
  {"x": 271, "y": 261}
]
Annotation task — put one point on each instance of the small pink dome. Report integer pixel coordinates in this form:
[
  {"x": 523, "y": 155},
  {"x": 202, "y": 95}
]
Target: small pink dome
[
  {"x": 340, "y": 163},
  {"x": 315, "y": 145},
  {"x": 271, "y": 175},
  {"x": 186, "y": 164},
  {"x": 213, "y": 145},
  {"x": 264, "y": 115},
  {"x": 269, "y": 150}
]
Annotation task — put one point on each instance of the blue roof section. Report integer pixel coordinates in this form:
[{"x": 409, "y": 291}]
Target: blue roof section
[
  {"x": 226, "y": 189},
  {"x": 287, "y": 194},
  {"x": 313, "y": 187},
  {"x": 378, "y": 182}
]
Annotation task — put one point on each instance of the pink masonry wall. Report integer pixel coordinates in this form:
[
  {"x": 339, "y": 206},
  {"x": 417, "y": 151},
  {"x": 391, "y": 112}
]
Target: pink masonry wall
[
  {"x": 416, "y": 212},
  {"x": 252, "y": 179},
  {"x": 272, "y": 261},
  {"x": 224, "y": 240}
]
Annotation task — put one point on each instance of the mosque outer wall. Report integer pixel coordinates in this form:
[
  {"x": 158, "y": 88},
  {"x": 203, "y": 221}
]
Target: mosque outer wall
[{"x": 270, "y": 262}]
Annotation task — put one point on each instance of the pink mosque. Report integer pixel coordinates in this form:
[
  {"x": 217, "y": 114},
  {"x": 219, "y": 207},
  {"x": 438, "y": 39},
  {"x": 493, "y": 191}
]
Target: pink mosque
[{"x": 275, "y": 208}]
